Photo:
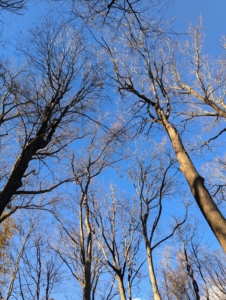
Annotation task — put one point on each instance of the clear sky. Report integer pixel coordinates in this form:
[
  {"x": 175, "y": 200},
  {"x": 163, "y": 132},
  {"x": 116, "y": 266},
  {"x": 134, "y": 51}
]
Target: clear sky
[
  {"x": 212, "y": 12},
  {"x": 184, "y": 11}
]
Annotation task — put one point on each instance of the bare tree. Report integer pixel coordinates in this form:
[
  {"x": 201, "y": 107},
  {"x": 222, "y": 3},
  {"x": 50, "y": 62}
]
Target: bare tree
[
  {"x": 154, "y": 178},
  {"x": 143, "y": 71},
  {"x": 79, "y": 249},
  {"x": 17, "y": 263},
  {"x": 39, "y": 273},
  {"x": 175, "y": 281},
  {"x": 33, "y": 269},
  {"x": 106, "y": 12},
  {"x": 193, "y": 269},
  {"x": 45, "y": 111},
  {"x": 118, "y": 238}
]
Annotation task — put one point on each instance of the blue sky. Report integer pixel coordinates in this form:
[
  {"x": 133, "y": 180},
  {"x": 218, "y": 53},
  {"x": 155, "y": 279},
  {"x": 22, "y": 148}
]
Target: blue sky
[
  {"x": 212, "y": 12},
  {"x": 185, "y": 12}
]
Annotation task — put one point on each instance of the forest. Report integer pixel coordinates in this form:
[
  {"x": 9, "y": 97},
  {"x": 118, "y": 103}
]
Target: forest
[{"x": 112, "y": 138}]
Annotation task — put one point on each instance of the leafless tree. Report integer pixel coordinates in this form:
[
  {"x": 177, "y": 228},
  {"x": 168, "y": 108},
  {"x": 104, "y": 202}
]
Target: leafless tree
[
  {"x": 43, "y": 109},
  {"x": 142, "y": 60},
  {"x": 16, "y": 263},
  {"x": 39, "y": 273},
  {"x": 193, "y": 269},
  {"x": 106, "y": 12},
  {"x": 154, "y": 180},
  {"x": 79, "y": 250},
  {"x": 118, "y": 238},
  {"x": 34, "y": 270}
]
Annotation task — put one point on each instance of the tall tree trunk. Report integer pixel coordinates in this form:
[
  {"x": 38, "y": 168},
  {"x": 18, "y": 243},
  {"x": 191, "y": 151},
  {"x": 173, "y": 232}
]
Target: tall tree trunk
[
  {"x": 205, "y": 202},
  {"x": 89, "y": 248},
  {"x": 121, "y": 289},
  {"x": 87, "y": 291},
  {"x": 87, "y": 288},
  {"x": 152, "y": 276}
]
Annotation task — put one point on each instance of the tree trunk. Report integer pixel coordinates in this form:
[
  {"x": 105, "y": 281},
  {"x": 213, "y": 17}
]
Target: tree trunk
[
  {"x": 152, "y": 276},
  {"x": 16, "y": 266},
  {"x": 15, "y": 179},
  {"x": 87, "y": 291},
  {"x": 89, "y": 248},
  {"x": 205, "y": 202},
  {"x": 121, "y": 289}
]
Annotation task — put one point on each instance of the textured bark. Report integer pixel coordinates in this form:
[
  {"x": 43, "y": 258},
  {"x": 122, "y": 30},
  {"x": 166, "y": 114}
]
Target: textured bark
[{"x": 203, "y": 198}]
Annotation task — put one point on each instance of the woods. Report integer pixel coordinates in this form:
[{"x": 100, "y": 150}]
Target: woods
[{"x": 112, "y": 155}]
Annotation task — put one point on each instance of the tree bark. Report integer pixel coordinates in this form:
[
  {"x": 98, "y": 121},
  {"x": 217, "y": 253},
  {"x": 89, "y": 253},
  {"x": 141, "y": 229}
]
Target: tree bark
[
  {"x": 152, "y": 276},
  {"x": 89, "y": 248},
  {"x": 15, "y": 179},
  {"x": 87, "y": 289},
  {"x": 121, "y": 289},
  {"x": 203, "y": 198}
]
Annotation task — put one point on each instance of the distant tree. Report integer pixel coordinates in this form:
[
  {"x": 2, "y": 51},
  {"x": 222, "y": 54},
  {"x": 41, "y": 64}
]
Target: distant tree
[
  {"x": 154, "y": 180},
  {"x": 39, "y": 273},
  {"x": 7, "y": 230},
  {"x": 15, "y": 263},
  {"x": 78, "y": 248},
  {"x": 117, "y": 235},
  {"x": 193, "y": 270}
]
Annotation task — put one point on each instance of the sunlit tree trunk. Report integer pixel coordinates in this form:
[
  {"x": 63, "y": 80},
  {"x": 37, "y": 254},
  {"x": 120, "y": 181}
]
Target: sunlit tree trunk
[
  {"x": 121, "y": 289},
  {"x": 205, "y": 202},
  {"x": 152, "y": 275}
]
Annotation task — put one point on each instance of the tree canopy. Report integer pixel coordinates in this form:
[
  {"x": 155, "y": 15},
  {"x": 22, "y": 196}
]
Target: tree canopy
[{"x": 112, "y": 155}]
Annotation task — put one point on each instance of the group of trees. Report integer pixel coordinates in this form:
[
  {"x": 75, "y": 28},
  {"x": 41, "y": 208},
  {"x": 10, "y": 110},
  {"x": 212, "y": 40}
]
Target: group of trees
[{"x": 101, "y": 196}]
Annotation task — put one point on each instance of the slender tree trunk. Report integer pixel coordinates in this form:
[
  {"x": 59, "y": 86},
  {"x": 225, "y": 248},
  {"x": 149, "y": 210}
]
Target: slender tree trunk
[
  {"x": 205, "y": 202},
  {"x": 191, "y": 275},
  {"x": 16, "y": 266},
  {"x": 89, "y": 248},
  {"x": 129, "y": 284},
  {"x": 121, "y": 289},
  {"x": 152, "y": 276}
]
